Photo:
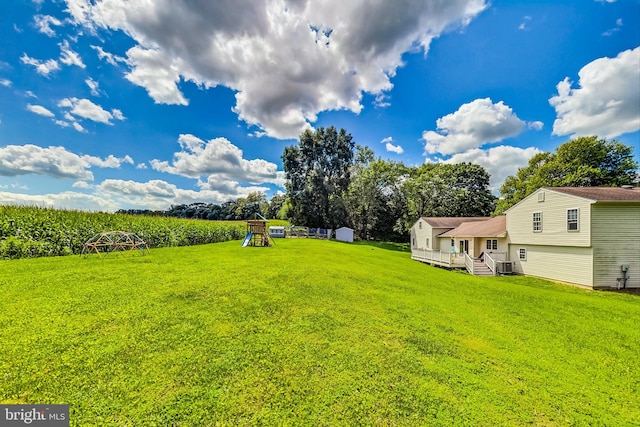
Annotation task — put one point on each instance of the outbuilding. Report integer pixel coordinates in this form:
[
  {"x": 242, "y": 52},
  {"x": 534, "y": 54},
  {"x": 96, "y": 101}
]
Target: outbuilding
[
  {"x": 277, "y": 231},
  {"x": 344, "y": 234}
]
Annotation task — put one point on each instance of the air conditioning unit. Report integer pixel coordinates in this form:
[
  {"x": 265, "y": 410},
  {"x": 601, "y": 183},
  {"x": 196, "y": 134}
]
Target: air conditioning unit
[{"x": 504, "y": 267}]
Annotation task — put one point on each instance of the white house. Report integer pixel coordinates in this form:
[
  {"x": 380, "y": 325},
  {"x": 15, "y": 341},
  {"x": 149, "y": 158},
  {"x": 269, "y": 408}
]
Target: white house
[
  {"x": 427, "y": 246},
  {"x": 478, "y": 237},
  {"x": 588, "y": 236},
  {"x": 344, "y": 234}
]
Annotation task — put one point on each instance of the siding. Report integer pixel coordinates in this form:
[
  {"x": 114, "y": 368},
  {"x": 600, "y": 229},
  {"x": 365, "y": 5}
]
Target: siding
[
  {"x": 616, "y": 241},
  {"x": 565, "y": 264},
  {"x": 554, "y": 220},
  {"x": 421, "y": 235},
  {"x": 427, "y": 232}
]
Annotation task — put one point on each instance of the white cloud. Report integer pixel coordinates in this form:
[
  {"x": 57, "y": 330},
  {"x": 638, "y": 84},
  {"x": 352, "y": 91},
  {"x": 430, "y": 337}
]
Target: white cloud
[
  {"x": 82, "y": 184},
  {"x": 141, "y": 166},
  {"x": 606, "y": 101},
  {"x": 55, "y": 162},
  {"x": 68, "y": 56},
  {"x": 40, "y": 110},
  {"x": 537, "y": 125},
  {"x": 474, "y": 124},
  {"x": 117, "y": 114},
  {"x": 30, "y": 94},
  {"x": 5, "y": 82},
  {"x": 109, "y": 57},
  {"x": 43, "y": 68},
  {"x": 77, "y": 126},
  {"x": 615, "y": 29},
  {"x": 287, "y": 61},
  {"x": 88, "y": 110},
  {"x": 500, "y": 161},
  {"x": 65, "y": 200},
  {"x": 217, "y": 157},
  {"x": 44, "y": 22},
  {"x": 94, "y": 86},
  {"x": 157, "y": 73},
  {"x": 159, "y": 194},
  {"x": 110, "y": 162},
  {"x": 390, "y": 147},
  {"x": 525, "y": 23},
  {"x": 394, "y": 148}
]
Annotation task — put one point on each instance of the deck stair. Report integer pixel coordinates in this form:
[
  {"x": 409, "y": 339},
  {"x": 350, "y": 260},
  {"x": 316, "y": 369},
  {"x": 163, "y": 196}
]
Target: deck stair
[{"x": 481, "y": 269}]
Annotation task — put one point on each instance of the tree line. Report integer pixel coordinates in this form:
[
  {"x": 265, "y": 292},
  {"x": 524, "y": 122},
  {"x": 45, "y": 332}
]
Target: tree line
[
  {"x": 332, "y": 182},
  {"x": 242, "y": 208}
]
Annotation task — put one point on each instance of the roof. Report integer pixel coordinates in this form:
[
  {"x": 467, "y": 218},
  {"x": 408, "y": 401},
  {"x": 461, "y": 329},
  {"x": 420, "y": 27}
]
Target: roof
[
  {"x": 276, "y": 227},
  {"x": 450, "y": 222},
  {"x": 601, "y": 194},
  {"x": 494, "y": 227}
]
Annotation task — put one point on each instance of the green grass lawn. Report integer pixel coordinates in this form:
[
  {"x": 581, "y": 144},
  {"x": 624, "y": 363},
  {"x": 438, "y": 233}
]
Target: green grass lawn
[{"x": 311, "y": 333}]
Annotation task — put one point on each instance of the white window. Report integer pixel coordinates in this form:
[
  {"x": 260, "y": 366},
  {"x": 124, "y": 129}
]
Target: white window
[
  {"x": 541, "y": 196},
  {"x": 414, "y": 242},
  {"x": 537, "y": 222},
  {"x": 420, "y": 225},
  {"x": 427, "y": 242},
  {"x": 492, "y": 244},
  {"x": 453, "y": 243},
  {"x": 573, "y": 219},
  {"x": 522, "y": 254}
]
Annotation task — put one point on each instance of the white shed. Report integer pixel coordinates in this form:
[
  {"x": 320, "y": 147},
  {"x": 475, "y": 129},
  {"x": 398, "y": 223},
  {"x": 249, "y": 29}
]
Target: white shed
[
  {"x": 344, "y": 234},
  {"x": 277, "y": 231}
]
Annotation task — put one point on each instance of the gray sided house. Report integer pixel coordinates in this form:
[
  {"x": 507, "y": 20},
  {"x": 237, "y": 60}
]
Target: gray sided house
[{"x": 588, "y": 236}]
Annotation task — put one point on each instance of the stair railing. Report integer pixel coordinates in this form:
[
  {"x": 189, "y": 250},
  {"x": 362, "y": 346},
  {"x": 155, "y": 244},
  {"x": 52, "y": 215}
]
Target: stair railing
[{"x": 468, "y": 262}]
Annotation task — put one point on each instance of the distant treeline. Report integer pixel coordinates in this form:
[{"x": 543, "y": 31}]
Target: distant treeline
[{"x": 233, "y": 210}]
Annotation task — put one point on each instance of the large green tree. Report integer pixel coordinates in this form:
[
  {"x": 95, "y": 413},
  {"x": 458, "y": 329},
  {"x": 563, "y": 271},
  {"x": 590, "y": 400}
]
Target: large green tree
[
  {"x": 448, "y": 190},
  {"x": 582, "y": 162},
  {"x": 317, "y": 171},
  {"x": 375, "y": 199}
]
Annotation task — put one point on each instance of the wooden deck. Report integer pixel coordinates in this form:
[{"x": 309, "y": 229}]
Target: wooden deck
[{"x": 440, "y": 258}]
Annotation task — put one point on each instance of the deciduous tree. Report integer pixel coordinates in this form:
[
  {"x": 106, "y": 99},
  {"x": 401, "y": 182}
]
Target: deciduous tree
[
  {"x": 318, "y": 174},
  {"x": 582, "y": 162}
]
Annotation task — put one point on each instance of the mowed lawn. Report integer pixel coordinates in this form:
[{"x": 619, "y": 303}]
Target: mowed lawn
[{"x": 311, "y": 333}]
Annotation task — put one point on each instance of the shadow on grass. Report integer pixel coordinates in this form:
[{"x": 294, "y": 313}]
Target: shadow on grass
[{"x": 390, "y": 246}]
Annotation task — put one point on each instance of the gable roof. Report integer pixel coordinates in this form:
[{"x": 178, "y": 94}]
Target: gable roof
[
  {"x": 494, "y": 227},
  {"x": 601, "y": 194},
  {"x": 450, "y": 222}
]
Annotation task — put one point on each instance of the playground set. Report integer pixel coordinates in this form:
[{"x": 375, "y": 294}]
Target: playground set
[
  {"x": 257, "y": 233},
  {"x": 105, "y": 243}
]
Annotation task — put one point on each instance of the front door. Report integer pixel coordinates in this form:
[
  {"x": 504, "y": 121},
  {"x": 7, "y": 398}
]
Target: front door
[{"x": 464, "y": 246}]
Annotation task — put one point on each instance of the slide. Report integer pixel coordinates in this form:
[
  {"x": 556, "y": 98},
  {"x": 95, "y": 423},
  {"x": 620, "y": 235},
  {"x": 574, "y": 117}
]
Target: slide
[{"x": 247, "y": 239}]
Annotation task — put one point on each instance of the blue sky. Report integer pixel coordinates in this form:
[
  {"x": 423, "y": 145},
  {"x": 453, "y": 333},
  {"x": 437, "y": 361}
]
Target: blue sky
[{"x": 112, "y": 104}]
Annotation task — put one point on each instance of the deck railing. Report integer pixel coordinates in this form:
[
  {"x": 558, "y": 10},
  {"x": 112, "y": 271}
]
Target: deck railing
[
  {"x": 446, "y": 259},
  {"x": 490, "y": 258}
]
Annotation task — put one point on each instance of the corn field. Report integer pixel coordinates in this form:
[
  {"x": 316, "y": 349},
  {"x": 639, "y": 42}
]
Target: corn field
[{"x": 29, "y": 232}]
